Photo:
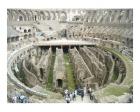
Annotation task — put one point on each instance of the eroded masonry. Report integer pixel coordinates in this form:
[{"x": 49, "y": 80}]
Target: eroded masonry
[{"x": 50, "y": 50}]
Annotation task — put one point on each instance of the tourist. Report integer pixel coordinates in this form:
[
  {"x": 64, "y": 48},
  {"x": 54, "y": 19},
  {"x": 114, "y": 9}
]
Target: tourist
[
  {"x": 87, "y": 87},
  {"x": 14, "y": 99},
  {"x": 74, "y": 95},
  {"x": 85, "y": 90},
  {"x": 67, "y": 98},
  {"x": 75, "y": 92},
  {"x": 66, "y": 92},
  {"x": 90, "y": 93},
  {"x": 91, "y": 96},
  {"x": 79, "y": 90},
  {"x": 89, "y": 90},
  {"x": 71, "y": 96},
  {"x": 23, "y": 99},
  {"x": 82, "y": 94}
]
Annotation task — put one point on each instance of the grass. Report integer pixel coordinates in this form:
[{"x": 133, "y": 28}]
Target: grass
[
  {"x": 50, "y": 75},
  {"x": 69, "y": 72},
  {"x": 115, "y": 90},
  {"x": 128, "y": 64}
]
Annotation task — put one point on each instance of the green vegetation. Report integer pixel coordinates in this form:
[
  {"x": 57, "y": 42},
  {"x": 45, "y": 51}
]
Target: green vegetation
[
  {"x": 115, "y": 90},
  {"x": 116, "y": 73},
  {"x": 128, "y": 64},
  {"x": 69, "y": 72},
  {"x": 50, "y": 75},
  {"x": 20, "y": 74}
]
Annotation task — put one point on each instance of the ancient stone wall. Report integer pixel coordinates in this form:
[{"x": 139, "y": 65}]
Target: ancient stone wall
[
  {"x": 81, "y": 70},
  {"x": 44, "y": 65},
  {"x": 97, "y": 68},
  {"x": 59, "y": 73},
  {"x": 31, "y": 79},
  {"x": 11, "y": 76}
]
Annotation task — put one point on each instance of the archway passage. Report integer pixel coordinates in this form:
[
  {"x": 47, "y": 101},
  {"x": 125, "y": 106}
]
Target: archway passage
[
  {"x": 41, "y": 72},
  {"x": 20, "y": 18},
  {"x": 59, "y": 83},
  {"x": 65, "y": 49}
]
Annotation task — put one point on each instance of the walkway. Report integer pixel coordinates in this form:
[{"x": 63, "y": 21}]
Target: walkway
[{"x": 86, "y": 99}]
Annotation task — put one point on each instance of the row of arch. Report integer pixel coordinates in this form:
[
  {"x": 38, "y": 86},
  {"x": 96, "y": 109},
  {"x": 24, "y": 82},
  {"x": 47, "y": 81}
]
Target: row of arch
[
  {"x": 109, "y": 16},
  {"x": 35, "y": 15}
]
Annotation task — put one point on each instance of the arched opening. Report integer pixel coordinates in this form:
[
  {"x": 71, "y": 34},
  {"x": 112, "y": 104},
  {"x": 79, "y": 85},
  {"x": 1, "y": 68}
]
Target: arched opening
[
  {"x": 25, "y": 31},
  {"x": 59, "y": 83},
  {"x": 30, "y": 35},
  {"x": 35, "y": 17},
  {"x": 77, "y": 19},
  {"x": 25, "y": 36},
  {"x": 41, "y": 73},
  {"x": 65, "y": 49},
  {"x": 29, "y": 30},
  {"x": 20, "y": 18},
  {"x": 51, "y": 38}
]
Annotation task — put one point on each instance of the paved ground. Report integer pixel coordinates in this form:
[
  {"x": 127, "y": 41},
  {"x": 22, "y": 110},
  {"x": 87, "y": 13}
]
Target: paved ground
[{"x": 86, "y": 99}]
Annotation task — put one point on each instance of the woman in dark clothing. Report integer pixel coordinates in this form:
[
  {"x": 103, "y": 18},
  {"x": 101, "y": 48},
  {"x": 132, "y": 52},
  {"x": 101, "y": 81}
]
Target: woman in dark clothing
[{"x": 82, "y": 94}]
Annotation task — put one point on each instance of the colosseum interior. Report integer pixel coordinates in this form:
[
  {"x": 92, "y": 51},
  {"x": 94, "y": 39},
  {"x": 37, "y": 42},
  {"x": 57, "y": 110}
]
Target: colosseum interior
[{"x": 51, "y": 50}]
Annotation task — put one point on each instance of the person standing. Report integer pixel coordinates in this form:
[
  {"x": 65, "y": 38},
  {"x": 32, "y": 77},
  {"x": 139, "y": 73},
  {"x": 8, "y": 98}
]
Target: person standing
[
  {"x": 14, "y": 99},
  {"x": 67, "y": 98},
  {"x": 85, "y": 90},
  {"x": 66, "y": 93},
  {"x": 71, "y": 96},
  {"x": 90, "y": 94},
  {"x": 82, "y": 94},
  {"x": 74, "y": 96}
]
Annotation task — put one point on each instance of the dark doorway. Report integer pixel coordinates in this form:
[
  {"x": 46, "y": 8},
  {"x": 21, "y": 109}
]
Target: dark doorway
[
  {"x": 60, "y": 83},
  {"x": 41, "y": 73},
  {"x": 54, "y": 48},
  {"x": 65, "y": 49},
  {"x": 20, "y": 18},
  {"x": 35, "y": 17}
]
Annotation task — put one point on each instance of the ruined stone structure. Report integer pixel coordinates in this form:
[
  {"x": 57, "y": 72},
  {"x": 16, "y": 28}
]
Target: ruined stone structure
[
  {"x": 59, "y": 69},
  {"x": 50, "y": 48},
  {"x": 82, "y": 71}
]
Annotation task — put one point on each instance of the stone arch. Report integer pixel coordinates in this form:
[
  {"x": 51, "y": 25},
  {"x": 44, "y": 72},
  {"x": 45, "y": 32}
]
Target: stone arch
[
  {"x": 38, "y": 15},
  {"x": 31, "y": 15},
  {"x": 52, "y": 15},
  {"x": 25, "y": 36},
  {"x": 28, "y": 15},
  {"x": 15, "y": 15},
  {"x": 35, "y": 15},
  {"x": 57, "y": 15},
  {"x": 9, "y": 15},
  {"x": 42, "y": 15},
  {"x": 63, "y": 16},
  {"x": 23, "y": 15},
  {"x": 47, "y": 14},
  {"x": 20, "y": 18}
]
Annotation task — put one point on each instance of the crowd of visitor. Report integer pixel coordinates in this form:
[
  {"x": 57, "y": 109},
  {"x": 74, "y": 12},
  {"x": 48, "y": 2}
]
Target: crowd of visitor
[{"x": 70, "y": 96}]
